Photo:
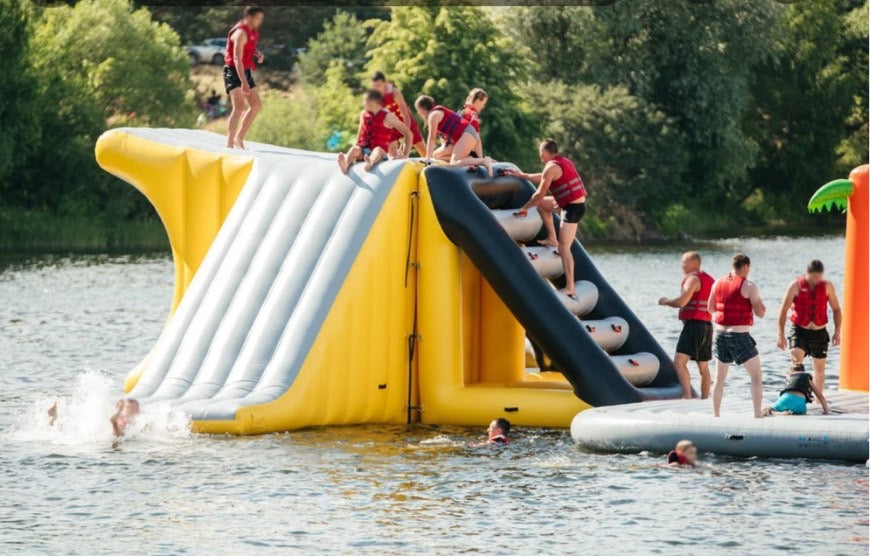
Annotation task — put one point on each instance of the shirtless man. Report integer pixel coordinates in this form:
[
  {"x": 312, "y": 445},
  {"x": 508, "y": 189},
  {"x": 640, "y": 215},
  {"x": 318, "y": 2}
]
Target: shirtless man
[
  {"x": 460, "y": 133},
  {"x": 808, "y": 296},
  {"x": 238, "y": 63},
  {"x": 394, "y": 101},
  {"x": 696, "y": 339},
  {"x": 734, "y": 300},
  {"x": 560, "y": 178},
  {"x": 375, "y": 138}
]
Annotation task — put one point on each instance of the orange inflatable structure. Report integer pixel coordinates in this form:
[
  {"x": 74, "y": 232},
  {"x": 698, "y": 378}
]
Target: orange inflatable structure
[{"x": 854, "y": 196}]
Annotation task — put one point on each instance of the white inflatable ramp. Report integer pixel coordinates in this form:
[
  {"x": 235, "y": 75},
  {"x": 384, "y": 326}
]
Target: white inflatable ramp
[{"x": 658, "y": 425}]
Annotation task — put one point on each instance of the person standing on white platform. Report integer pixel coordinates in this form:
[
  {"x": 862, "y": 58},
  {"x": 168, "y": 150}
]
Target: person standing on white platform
[
  {"x": 734, "y": 302},
  {"x": 696, "y": 339},
  {"x": 238, "y": 78},
  {"x": 559, "y": 178}
]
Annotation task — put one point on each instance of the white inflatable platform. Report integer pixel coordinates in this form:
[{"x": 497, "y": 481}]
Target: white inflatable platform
[{"x": 658, "y": 425}]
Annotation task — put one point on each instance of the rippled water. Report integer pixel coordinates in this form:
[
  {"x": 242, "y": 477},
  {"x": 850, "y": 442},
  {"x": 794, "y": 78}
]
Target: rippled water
[{"x": 70, "y": 329}]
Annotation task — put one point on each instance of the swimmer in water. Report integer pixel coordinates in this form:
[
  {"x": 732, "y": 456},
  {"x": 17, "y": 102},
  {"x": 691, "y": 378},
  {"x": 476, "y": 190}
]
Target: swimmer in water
[
  {"x": 685, "y": 454},
  {"x": 498, "y": 431},
  {"x": 126, "y": 411}
]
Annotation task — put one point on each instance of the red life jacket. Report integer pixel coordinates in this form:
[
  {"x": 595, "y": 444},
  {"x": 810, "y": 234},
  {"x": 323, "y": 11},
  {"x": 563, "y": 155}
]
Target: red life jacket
[
  {"x": 451, "y": 126},
  {"x": 569, "y": 187},
  {"x": 469, "y": 113},
  {"x": 373, "y": 132},
  {"x": 696, "y": 308},
  {"x": 810, "y": 304},
  {"x": 390, "y": 102},
  {"x": 677, "y": 457},
  {"x": 732, "y": 309},
  {"x": 249, "y": 49}
]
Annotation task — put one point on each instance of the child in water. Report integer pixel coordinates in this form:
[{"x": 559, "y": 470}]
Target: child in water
[
  {"x": 798, "y": 392},
  {"x": 125, "y": 410},
  {"x": 685, "y": 454},
  {"x": 498, "y": 431}
]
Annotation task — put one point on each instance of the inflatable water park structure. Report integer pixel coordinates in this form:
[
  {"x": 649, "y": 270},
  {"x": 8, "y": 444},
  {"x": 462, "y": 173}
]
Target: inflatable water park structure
[{"x": 307, "y": 297}]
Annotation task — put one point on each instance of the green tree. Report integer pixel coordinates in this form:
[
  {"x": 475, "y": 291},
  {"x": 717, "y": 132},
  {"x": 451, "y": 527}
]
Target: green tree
[
  {"x": 445, "y": 52},
  {"x": 340, "y": 46},
  {"x": 631, "y": 155}
]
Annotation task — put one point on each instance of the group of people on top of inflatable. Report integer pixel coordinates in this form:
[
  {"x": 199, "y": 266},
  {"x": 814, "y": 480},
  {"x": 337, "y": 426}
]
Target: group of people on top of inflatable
[{"x": 730, "y": 304}]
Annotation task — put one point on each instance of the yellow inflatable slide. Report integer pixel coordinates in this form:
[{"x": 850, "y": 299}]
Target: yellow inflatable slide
[{"x": 306, "y": 297}]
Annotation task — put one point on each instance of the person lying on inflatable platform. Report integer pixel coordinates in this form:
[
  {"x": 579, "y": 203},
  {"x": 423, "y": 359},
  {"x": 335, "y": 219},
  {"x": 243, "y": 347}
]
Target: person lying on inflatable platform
[
  {"x": 559, "y": 178},
  {"x": 684, "y": 455},
  {"x": 394, "y": 101},
  {"x": 376, "y": 136},
  {"x": 808, "y": 296},
  {"x": 462, "y": 136},
  {"x": 798, "y": 392}
]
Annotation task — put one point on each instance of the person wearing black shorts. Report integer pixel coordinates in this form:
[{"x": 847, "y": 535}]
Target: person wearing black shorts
[
  {"x": 809, "y": 297},
  {"x": 696, "y": 339},
  {"x": 559, "y": 189},
  {"x": 232, "y": 81},
  {"x": 240, "y": 60}
]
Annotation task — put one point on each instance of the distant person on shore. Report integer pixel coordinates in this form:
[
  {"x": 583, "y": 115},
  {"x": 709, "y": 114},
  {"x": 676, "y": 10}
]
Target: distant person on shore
[
  {"x": 696, "y": 339},
  {"x": 733, "y": 302},
  {"x": 685, "y": 454},
  {"x": 809, "y": 296},
  {"x": 238, "y": 63},
  {"x": 394, "y": 101},
  {"x": 798, "y": 392},
  {"x": 560, "y": 180},
  {"x": 461, "y": 136},
  {"x": 375, "y": 138},
  {"x": 475, "y": 102}
]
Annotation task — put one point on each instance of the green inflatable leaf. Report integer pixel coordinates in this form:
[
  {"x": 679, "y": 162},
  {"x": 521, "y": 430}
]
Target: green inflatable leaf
[{"x": 833, "y": 194}]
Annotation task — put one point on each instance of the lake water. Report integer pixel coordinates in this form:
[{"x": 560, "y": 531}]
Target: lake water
[{"x": 71, "y": 328}]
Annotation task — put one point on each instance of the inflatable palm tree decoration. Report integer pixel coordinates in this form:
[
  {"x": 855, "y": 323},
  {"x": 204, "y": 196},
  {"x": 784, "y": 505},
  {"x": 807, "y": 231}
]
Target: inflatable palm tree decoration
[{"x": 853, "y": 197}]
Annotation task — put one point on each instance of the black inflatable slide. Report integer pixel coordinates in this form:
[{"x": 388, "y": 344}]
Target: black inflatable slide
[{"x": 463, "y": 203}]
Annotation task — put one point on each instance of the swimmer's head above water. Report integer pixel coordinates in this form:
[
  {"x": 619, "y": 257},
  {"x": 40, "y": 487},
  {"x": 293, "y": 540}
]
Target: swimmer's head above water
[
  {"x": 684, "y": 455},
  {"x": 498, "y": 431},
  {"x": 125, "y": 410}
]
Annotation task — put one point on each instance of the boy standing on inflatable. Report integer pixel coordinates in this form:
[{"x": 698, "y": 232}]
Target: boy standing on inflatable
[
  {"x": 733, "y": 302},
  {"x": 560, "y": 178},
  {"x": 809, "y": 296},
  {"x": 394, "y": 101},
  {"x": 696, "y": 339},
  {"x": 461, "y": 136},
  {"x": 238, "y": 80},
  {"x": 375, "y": 137}
]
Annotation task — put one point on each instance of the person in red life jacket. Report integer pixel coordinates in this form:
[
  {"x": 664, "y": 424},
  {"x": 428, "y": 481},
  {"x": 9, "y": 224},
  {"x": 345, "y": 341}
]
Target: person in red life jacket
[
  {"x": 498, "y": 431},
  {"x": 808, "y": 296},
  {"x": 475, "y": 102},
  {"x": 684, "y": 455},
  {"x": 696, "y": 339},
  {"x": 374, "y": 141},
  {"x": 463, "y": 138},
  {"x": 559, "y": 178},
  {"x": 394, "y": 101},
  {"x": 239, "y": 61},
  {"x": 734, "y": 301},
  {"x": 798, "y": 392}
]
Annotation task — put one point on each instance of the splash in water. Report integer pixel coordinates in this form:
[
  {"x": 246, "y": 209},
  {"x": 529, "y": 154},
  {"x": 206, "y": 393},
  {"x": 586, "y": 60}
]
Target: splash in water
[{"x": 82, "y": 417}]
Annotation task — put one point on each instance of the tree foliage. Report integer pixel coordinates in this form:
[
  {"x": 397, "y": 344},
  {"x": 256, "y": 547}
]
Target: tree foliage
[{"x": 342, "y": 46}]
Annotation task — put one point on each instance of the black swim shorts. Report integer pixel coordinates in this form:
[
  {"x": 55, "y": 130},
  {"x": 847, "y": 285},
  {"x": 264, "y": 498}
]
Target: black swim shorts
[
  {"x": 696, "y": 340},
  {"x": 574, "y": 212},
  {"x": 813, "y": 342},
  {"x": 232, "y": 81},
  {"x": 735, "y": 347}
]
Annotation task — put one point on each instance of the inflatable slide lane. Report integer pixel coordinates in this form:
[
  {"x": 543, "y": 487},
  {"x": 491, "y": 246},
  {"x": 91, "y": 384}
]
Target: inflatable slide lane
[{"x": 307, "y": 297}]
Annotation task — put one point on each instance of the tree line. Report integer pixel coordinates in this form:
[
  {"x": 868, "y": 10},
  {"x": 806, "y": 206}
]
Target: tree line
[{"x": 680, "y": 115}]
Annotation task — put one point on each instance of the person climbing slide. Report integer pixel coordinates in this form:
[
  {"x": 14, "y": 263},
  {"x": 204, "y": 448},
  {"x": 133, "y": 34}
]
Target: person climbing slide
[
  {"x": 559, "y": 178},
  {"x": 460, "y": 133},
  {"x": 394, "y": 101},
  {"x": 375, "y": 138}
]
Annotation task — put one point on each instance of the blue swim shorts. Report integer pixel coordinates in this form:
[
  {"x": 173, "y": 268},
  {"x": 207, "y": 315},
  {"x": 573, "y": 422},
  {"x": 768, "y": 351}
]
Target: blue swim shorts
[{"x": 791, "y": 402}]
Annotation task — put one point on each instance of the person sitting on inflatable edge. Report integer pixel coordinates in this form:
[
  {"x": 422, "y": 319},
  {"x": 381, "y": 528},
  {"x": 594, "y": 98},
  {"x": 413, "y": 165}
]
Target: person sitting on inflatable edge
[
  {"x": 498, "y": 431},
  {"x": 798, "y": 392},
  {"x": 685, "y": 454}
]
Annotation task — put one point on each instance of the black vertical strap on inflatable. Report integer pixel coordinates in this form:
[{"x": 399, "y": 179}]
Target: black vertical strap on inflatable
[{"x": 412, "y": 337}]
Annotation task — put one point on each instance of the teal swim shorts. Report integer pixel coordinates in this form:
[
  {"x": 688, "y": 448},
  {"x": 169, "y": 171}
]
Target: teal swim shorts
[{"x": 791, "y": 402}]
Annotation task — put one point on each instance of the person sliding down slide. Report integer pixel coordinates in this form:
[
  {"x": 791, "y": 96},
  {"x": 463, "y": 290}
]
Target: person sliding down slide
[
  {"x": 375, "y": 139},
  {"x": 238, "y": 81},
  {"x": 460, "y": 133},
  {"x": 560, "y": 178},
  {"x": 394, "y": 101}
]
